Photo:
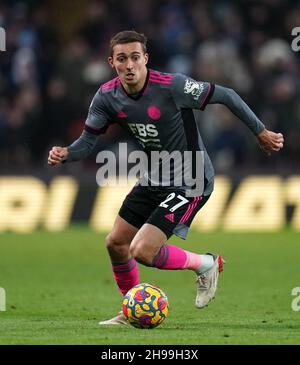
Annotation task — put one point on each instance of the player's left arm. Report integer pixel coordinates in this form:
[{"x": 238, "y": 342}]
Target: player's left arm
[{"x": 269, "y": 141}]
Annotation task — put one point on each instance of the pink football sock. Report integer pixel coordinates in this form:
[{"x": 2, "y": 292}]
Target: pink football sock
[
  {"x": 126, "y": 275},
  {"x": 172, "y": 257}
]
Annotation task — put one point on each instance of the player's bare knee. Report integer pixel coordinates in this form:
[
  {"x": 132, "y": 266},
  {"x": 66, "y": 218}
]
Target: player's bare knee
[
  {"x": 114, "y": 242},
  {"x": 109, "y": 241},
  {"x": 117, "y": 249},
  {"x": 140, "y": 253}
]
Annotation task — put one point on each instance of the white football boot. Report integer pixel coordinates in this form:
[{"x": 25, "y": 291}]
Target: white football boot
[
  {"x": 119, "y": 320},
  {"x": 207, "y": 282}
]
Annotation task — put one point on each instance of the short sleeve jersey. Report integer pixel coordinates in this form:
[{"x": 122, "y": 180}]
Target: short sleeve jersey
[{"x": 160, "y": 117}]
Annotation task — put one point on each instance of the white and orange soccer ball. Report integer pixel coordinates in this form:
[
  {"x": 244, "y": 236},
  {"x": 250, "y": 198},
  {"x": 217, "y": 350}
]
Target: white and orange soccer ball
[{"x": 145, "y": 306}]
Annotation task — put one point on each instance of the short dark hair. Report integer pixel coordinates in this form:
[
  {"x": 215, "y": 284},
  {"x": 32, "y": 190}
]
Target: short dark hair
[{"x": 128, "y": 36}]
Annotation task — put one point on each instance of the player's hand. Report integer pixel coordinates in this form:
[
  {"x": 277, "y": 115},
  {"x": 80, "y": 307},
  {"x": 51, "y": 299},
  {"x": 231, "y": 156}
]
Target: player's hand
[
  {"x": 270, "y": 141},
  {"x": 57, "y": 155}
]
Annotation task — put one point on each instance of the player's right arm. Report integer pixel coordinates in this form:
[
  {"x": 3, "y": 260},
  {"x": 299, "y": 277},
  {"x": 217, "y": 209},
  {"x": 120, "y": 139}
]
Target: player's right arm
[
  {"x": 57, "y": 155},
  {"x": 78, "y": 150},
  {"x": 96, "y": 123}
]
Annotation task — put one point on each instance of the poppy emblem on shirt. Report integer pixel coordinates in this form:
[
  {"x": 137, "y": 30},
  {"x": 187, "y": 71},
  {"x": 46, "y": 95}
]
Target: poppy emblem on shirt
[{"x": 154, "y": 112}]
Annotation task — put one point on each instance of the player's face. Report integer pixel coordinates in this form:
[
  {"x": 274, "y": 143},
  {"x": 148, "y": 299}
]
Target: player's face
[{"x": 130, "y": 62}]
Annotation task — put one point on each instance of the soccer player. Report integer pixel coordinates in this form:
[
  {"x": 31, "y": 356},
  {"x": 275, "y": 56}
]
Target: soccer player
[{"x": 156, "y": 108}]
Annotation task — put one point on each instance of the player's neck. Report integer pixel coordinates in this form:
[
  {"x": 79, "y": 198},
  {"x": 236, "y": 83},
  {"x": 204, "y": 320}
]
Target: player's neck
[{"x": 135, "y": 89}]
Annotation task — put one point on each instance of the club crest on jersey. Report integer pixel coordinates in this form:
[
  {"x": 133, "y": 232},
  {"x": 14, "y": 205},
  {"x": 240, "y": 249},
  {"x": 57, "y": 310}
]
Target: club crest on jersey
[
  {"x": 194, "y": 88},
  {"x": 154, "y": 112}
]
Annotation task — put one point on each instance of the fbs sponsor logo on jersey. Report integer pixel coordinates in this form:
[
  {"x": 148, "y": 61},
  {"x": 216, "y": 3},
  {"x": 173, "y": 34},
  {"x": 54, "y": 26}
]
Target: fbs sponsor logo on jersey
[
  {"x": 144, "y": 133},
  {"x": 194, "y": 88}
]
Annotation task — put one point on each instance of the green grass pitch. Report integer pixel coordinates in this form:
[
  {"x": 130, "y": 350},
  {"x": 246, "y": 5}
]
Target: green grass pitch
[{"x": 59, "y": 285}]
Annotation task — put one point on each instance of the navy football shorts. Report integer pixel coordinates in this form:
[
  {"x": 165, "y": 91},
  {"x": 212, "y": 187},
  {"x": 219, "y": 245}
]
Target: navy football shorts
[{"x": 170, "y": 211}]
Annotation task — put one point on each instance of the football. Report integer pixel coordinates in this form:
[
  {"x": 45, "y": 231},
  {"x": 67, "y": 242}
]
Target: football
[{"x": 145, "y": 306}]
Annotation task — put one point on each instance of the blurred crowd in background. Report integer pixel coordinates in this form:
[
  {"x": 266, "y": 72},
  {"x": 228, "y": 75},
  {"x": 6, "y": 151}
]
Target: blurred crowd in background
[{"x": 47, "y": 79}]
